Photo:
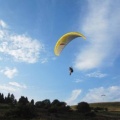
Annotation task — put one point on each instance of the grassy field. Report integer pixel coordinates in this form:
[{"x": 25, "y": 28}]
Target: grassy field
[
  {"x": 111, "y": 106},
  {"x": 112, "y": 113}
]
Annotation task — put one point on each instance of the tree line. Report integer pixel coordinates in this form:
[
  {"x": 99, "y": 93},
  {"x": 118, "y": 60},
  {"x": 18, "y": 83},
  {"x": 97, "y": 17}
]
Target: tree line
[
  {"x": 23, "y": 108},
  {"x": 10, "y": 99}
]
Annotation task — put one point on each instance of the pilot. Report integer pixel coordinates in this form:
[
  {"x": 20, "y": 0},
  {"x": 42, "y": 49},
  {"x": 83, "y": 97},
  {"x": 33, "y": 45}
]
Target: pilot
[{"x": 71, "y": 70}]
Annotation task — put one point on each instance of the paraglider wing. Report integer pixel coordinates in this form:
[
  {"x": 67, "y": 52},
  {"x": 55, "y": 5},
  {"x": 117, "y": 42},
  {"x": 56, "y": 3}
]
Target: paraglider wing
[{"x": 64, "y": 40}]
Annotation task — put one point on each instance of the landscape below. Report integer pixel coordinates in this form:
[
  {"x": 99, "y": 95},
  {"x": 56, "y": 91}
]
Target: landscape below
[{"x": 23, "y": 109}]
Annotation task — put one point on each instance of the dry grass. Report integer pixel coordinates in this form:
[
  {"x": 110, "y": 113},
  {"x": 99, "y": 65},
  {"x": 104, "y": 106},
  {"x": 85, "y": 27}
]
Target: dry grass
[{"x": 111, "y": 106}]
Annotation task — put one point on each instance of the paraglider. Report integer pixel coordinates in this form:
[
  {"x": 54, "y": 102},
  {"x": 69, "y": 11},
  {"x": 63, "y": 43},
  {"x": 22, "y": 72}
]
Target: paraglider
[
  {"x": 71, "y": 70},
  {"x": 63, "y": 41},
  {"x": 103, "y": 95}
]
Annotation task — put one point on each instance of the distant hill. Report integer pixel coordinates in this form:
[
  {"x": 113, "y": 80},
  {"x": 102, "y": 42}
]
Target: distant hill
[{"x": 111, "y": 106}]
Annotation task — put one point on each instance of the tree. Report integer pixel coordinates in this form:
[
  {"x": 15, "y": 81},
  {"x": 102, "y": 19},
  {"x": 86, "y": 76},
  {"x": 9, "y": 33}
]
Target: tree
[
  {"x": 7, "y": 99},
  {"x": 62, "y": 104},
  {"x": 83, "y": 107},
  {"x": 32, "y": 102},
  {"x": 55, "y": 102},
  {"x": 43, "y": 104},
  {"x": 38, "y": 104},
  {"x": 1, "y": 98},
  {"x": 13, "y": 100},
  {"x": 23, "y": 100},
  {"x": 46, "y": 103},
  {"x": 25, "y": 111},
  {"x": 57, "y": 106}
]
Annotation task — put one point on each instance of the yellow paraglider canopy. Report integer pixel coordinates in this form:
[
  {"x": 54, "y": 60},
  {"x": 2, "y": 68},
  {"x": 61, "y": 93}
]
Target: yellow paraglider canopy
[{"x": 64, "y": 40}]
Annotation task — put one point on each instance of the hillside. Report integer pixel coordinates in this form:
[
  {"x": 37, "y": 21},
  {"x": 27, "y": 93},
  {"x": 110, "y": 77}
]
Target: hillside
[{"x": 111, "y": 106}]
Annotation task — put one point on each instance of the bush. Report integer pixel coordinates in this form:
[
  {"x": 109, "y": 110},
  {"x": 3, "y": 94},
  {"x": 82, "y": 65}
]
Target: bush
[
  {"x": 26, "y": 111},
  {"x": 90, "y": 114},
  {"x": 83, "y": 107},
  {"x": 21, "y": 111}
]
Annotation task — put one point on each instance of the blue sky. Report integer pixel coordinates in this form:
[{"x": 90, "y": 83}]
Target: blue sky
[{"x": 29, "y": 30}]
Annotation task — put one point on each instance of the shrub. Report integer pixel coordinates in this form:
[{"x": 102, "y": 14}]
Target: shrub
[{"x": 83, "y": 107}]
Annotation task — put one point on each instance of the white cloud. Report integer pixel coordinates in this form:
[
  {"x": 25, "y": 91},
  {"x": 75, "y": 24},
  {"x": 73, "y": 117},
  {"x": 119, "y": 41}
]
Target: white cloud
[
  {"x": 95, "y": 95},
  {"x": 10, "y": 73},
  {"x": 2, "y": 34},
  {"x": 45, "y": 60},
  {"x": 7, "y": 88},
  {"x": 97, "y": 74},
  {"x": 74, "y": 96},
  {"x": 20, "y": 47},
  {"x": 3, "y": 24},
  {"x": 17, "y": 85},
  {"x": 78, "y": 80},
  {"x": 12, "y": 87},
  {"x": 101, "y": 29}
]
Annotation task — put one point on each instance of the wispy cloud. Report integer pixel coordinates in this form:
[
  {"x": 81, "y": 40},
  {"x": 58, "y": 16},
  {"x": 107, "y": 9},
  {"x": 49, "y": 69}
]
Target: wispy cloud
[
  {"x": 12, "y": 87},
  {"x": 78, "y": 81},
  {"x": 101, "y": 29},
  {"x": 96, "y": 74},
  {"x": 74, "y": 96},
  {"x": 3, "y": 24},
  {"x": 44, "y": 60},
  {"x": 110, "y": 94},
  {"x": 21, "y": 48},
  {"x": 7, "y": 88},
  {"x": 17, "y": 85},
  {"x": 9, "y": 72}
]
